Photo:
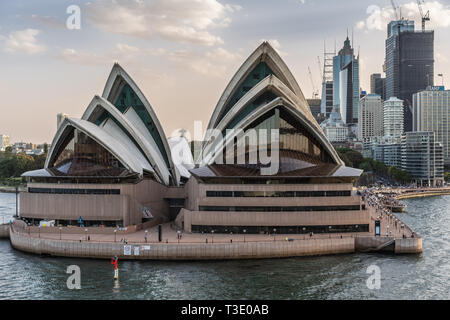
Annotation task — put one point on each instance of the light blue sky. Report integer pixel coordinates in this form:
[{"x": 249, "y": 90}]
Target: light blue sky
[{"x": 181, "y": 53}]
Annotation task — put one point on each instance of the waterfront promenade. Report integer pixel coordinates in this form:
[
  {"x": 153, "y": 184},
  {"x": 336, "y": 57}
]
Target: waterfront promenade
[{"x": 177, "y": 245}]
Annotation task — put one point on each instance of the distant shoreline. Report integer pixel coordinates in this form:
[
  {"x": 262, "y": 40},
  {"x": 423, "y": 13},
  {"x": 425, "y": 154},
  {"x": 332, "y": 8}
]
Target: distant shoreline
[
  {"x": 5, "y": 189},
  {"x": 422, "y": 194}
]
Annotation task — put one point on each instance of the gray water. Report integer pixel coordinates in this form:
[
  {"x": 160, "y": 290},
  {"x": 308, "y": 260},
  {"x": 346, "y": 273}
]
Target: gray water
[{"x": 424, "y": 276}]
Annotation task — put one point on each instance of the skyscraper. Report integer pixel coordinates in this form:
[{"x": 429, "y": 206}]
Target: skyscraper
[
  {"x": 431, "y": 112},
  {"x": 346, "y": 83},
  {"x": 326, "y": 106},
  {"x": 370, "y": 117},
  {"x": 378, "y": 85},
  {"x": 393, "y": 117},
  {"x": 409, "y": 63}
]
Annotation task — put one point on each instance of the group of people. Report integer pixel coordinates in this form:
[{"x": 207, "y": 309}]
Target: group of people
[{"x": 381, "y": 204}]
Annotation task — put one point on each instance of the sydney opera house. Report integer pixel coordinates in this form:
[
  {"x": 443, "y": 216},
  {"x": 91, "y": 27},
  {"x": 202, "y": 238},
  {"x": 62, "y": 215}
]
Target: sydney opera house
[{"x": 115, "y": 167}]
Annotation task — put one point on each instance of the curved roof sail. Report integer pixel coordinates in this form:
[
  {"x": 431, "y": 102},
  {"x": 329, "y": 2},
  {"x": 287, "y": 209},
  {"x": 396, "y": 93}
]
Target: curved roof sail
[
  {"x": 96, "y": 140},
  {"x": 264, "y": 61},
  {"x": 123, "y": 93},
  {"x": 292, "y": 117},
  {"x": 99, "y": 110}
]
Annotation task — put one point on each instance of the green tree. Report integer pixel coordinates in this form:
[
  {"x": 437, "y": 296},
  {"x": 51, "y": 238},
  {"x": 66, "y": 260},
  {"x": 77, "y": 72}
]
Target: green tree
[
  {"x": 447, "y": 176},
  {"x": 365, "y": 166}
]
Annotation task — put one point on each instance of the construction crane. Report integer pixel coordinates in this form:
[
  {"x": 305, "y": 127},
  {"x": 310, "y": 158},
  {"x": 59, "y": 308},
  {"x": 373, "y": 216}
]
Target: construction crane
[
  {"x": 315, "y": 92},
  {"x": 425, "y": 17},
  {"x": 394, "y": 6}
]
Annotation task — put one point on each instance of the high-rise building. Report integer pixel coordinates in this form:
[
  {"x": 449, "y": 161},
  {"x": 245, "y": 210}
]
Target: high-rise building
[
  {"x": 346, "y": 83},
  {"x": 378, "y": 85},
  {"x": 422, "y": 157},
  {"x": 431, "y": 112},
  {"x": 314, "y": 106},
  {"x": 370, "y": 117},
  {"x": 393, "y": 117},
  {"x": 4, "y": 142},
  {"x": 373, "y": 78},
  {"x": 409, "y": 63},
  {"x": 385, "y": 149},
  {"x": 326, "y": 106}
]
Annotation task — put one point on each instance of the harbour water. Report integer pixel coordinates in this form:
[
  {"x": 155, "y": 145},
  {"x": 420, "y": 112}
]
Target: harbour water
[{"x": 424, "y": 276}]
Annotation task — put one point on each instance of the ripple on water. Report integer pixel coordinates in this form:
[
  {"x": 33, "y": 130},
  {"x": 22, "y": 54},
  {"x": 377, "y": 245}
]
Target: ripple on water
[{"x": 424, "y": 276}]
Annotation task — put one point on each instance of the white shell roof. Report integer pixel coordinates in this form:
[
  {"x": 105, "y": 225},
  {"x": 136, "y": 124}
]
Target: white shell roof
[
  {"x": 134, "y": 126},
  {"x": 122, "y": 151},
  {"x": 282, "y": 82}
]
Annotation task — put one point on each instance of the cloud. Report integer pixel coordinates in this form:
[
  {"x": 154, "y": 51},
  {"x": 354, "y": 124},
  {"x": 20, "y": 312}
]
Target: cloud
[
  {"x": 214, "y": 63},
  {"x": 48, "y": 21},
  {"x": 122, "y": 53},
  {"x": 75, "y": 57},
  {"x": 378, "y": 18},
  {"x": 23, "y": 41},
  {"x": 184, "y": 21},
  {"x": 440, "y": 58}
]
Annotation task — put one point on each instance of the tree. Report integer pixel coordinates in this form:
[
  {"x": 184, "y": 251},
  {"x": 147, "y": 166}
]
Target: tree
[
  {"x": 365, "y": 166},
  {"x": 350, "y": 157},
  {"x": 379, "y": 167},
  {"x": 447, "y": 176},
  {"x": 8, "y": 151}
]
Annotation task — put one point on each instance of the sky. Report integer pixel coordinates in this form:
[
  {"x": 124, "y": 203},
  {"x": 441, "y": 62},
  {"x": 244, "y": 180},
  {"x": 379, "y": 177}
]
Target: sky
[{"x": 181, "y": 53}]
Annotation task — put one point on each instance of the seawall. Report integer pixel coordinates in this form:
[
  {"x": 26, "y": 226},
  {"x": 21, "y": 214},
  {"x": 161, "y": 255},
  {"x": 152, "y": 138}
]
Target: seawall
[
  {"x": 4, "y": 231},
  {"x": 211, "y": 251},
  {"x": 422, "y": 194}
]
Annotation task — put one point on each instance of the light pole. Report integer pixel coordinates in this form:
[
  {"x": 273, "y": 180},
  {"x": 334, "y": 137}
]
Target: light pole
[
  {"x": 212, "y": 236},
  {"x": 17, "y": 202},
  {"x": 115, "y": 234},
  {"x": 146, "y": 234},
  {"x": 442, "y": 78},
  {"x": 244, "y": 233},
  {"x": 39, "y": 229},
  {"x": 85, "y": 230},
  {"x": 60, "y": 237},
  {"x": 274, "y": 232}
]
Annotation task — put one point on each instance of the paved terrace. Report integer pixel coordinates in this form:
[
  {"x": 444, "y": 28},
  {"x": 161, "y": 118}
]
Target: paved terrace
[{"x": 390, "y": 226}]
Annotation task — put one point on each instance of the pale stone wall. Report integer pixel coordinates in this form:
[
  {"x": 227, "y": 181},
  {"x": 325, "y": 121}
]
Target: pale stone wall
[
  {"x": 408, "y": 245},
  {"x": 4, "y": 231},
  {"x": 184, "y": 251}
]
